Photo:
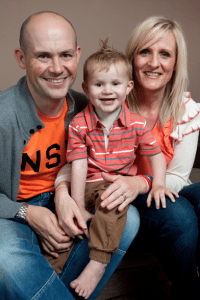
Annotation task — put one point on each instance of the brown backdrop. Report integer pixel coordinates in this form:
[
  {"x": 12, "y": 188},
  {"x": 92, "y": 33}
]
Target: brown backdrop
[{"x": 94, "y": 20}]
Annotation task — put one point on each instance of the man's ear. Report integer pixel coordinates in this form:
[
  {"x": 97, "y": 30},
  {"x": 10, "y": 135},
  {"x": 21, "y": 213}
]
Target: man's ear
[
  {"x": 78, "y": 53},
  {"x": 20, "y": 57},
  {"x": 85, "y": 87}
]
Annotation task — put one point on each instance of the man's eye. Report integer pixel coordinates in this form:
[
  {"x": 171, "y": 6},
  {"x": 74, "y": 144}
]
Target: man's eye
[
  {"x": 42, "y": 56},
  {"x": 66, "y": 55}
]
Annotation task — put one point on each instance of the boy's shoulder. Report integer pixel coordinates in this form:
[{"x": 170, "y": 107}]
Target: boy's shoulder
[{"x": 136, "y": 117}]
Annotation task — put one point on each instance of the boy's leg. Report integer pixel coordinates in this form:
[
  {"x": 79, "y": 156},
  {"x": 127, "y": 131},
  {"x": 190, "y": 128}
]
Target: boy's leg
[
  {"x": 105, "y": 233},
  {"x": 80, "y": 255},
  {"x": 106, "y": 227}
]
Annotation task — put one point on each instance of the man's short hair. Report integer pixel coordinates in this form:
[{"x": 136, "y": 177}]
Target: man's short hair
[
  {"x": 104, "y": 58},
  {"x": 22, "y": 36}
]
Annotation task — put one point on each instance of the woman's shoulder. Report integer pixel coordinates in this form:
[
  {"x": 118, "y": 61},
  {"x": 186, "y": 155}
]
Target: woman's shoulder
[
  {"x": 190, "y": 119},
  {"x": 192, "y": 109}
]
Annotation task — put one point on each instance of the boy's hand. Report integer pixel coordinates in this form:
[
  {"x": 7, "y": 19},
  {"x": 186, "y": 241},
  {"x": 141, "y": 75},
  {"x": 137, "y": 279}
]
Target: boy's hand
[
  {"x": 158, "y": 193},
  {"x": 87, "y": 216},
  {"x": 69, "y": 216}
]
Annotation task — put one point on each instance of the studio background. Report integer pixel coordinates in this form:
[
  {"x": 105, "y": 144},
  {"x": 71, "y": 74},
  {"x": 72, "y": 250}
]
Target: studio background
[{"x": 94, "y": 20}]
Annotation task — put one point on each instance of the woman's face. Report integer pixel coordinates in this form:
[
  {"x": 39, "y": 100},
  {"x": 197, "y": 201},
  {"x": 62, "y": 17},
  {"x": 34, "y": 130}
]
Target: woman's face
[{"x": 154, "y": 63}]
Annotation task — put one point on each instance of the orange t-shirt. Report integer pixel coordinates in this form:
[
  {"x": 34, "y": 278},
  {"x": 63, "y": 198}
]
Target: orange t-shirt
[
  {"x": 43, "y": 157},
  {"x": 162, "y": 136}
]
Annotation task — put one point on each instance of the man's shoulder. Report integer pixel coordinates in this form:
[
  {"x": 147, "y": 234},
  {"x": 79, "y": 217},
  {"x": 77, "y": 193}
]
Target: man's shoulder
[
  {"x": 79, "y": 98},
  {"x": 12, "y": 92},
  {"x": 7, "y": 98},
  {"x": 78, "y": 101}
]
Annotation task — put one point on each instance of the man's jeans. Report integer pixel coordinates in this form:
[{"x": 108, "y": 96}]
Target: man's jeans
[{"x": 26, "y": 274}]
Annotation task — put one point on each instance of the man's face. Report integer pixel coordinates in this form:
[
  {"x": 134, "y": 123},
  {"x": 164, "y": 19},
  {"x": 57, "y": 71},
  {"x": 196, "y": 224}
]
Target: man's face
[{"x": 51, "y": 58}]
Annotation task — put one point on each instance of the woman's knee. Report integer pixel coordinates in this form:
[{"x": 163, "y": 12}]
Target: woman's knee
[{"x": 178, "y": 224}]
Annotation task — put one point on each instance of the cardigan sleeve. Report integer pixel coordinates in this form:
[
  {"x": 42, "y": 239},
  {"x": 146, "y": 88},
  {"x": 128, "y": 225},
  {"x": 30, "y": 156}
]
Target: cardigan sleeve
[
  {"x": 185, "y": 137},
  {"x": 179, "y": 169}
]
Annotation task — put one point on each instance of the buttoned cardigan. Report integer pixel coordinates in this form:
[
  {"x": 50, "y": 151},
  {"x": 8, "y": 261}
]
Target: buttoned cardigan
[{"x": 18, "y": 122}]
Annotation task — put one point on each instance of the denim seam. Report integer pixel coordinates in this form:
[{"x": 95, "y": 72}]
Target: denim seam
[
  {"x": 43, "y": 289},
  {"x": 121, "y": 251},
  {"x": 69, "y": 261}
]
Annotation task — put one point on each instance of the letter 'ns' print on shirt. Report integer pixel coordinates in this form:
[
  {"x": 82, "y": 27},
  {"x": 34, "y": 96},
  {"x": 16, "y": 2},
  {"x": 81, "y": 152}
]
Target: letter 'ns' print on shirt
[{"x": 53, "y": 159}]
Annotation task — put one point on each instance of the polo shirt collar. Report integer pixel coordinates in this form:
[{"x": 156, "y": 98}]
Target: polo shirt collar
[{"x": 93, "y": 121}]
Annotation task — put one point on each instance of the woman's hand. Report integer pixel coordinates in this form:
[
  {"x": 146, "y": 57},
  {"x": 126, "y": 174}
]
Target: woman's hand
[
  {"x": 69, "y": 216},
  {"x": 122, "y": 191}
]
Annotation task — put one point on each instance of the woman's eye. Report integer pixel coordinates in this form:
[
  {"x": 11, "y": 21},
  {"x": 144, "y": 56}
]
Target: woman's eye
[
  {"x": 144, "y": 52},
  {"x": 165, "y": 54}
]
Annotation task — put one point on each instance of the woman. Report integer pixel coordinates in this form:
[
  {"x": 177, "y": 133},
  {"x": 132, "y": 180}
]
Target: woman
[{"x": 158, "y": 53}]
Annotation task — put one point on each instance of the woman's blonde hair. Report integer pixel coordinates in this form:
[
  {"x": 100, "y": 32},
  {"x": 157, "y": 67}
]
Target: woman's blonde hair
[{"x": 144, "y": 33}]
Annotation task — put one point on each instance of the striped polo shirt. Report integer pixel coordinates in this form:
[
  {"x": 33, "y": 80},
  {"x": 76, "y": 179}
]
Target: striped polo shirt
[{"x": 128, "y": 136}]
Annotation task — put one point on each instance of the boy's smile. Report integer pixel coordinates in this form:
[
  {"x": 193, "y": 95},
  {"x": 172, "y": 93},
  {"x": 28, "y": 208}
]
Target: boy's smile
[{"x": 107, "y": 90}]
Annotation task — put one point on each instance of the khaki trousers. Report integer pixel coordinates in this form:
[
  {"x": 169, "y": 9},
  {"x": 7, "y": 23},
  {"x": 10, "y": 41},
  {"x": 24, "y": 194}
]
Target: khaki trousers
[{"x": 105, "y": 231}]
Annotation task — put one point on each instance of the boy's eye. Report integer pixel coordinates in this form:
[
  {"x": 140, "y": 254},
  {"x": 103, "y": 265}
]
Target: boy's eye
[
  {"x": 98, "y": 84},
  {"x": 116, "y": 83}
]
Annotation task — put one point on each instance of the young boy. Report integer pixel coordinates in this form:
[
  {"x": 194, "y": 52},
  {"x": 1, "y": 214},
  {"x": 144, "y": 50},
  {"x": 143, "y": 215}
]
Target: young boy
[{"x": 105, "y": 137}]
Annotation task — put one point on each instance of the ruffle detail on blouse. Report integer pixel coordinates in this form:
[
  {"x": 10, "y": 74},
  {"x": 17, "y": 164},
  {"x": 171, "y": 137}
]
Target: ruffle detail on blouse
[
  {"x": 190, "y": 120},
  {"x": 164, "y": 140}
]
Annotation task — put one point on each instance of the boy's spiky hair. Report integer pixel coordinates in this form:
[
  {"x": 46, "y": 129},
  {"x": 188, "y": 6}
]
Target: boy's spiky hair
[{"x": 104, "y": 58}]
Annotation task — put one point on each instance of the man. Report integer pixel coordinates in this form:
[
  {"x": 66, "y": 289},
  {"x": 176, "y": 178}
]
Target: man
[{"x": 34, "y": 115}]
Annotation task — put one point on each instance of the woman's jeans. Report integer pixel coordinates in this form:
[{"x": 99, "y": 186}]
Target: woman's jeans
[
  {"x": 173, "y": 233},
  {"x": 26, "y": 274}
]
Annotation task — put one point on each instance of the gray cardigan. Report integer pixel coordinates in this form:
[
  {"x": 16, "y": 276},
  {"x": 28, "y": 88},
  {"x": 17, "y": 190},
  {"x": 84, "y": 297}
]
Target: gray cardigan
[{"x": 18, "y": 121}]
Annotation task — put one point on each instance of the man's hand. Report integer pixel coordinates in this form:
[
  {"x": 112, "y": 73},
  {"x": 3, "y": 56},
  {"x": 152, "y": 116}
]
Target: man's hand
[
  {"x": 45, "y": 224},
  {"x": 70, "y": 218}
]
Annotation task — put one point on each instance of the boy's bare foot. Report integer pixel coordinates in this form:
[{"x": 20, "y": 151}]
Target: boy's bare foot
[{"x": 87, "y": 281}]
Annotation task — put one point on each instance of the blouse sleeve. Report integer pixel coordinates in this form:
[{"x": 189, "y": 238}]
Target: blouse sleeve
[{"x": 180, "y": 167}]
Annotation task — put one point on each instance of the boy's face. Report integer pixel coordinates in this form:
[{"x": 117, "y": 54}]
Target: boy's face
[{"x": 107, "y": 90}]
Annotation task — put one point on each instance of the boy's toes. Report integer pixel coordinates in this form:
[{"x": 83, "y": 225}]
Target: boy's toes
[{"x": 74, "y": 284}]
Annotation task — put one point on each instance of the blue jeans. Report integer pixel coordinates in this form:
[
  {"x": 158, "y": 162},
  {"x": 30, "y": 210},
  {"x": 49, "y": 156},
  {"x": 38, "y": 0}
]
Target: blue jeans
[
  {"x": 26, "y": 274},
  {"x": 173, "y": 233}
]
